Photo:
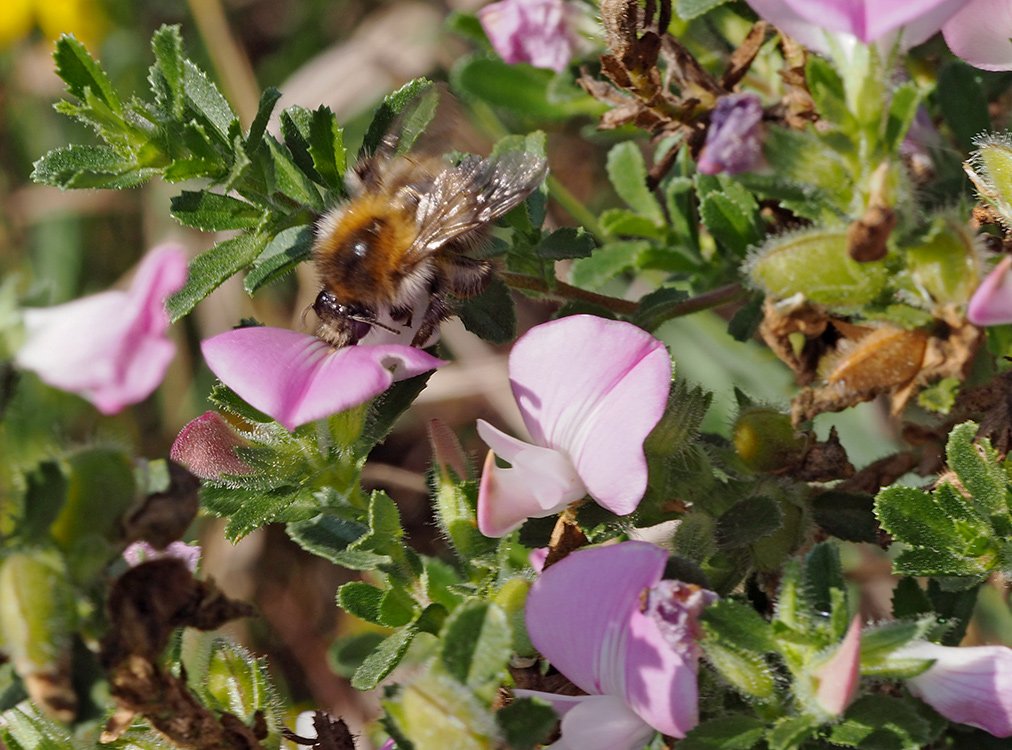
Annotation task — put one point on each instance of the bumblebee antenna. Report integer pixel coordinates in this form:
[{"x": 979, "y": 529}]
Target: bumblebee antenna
[{"x": 373, "y": 322}]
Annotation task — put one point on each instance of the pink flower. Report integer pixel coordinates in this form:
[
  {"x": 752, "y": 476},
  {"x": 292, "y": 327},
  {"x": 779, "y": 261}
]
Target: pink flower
[
  {"x": 978, "y": 31},
  {"x": 590, "y": 391},
  {"x": 296, "y": 378},
  {"x": 838, "y": 678},
  {"x": 111, "y": 348},
  {"x": 139, "y": 552},
  {"x": 206, "y": 446},
  {"x": 991, "y": 304},
  {"x": 529, "y": 31},
  {"x": 970, "y": 685},
  {"x": 604, "y": 618}
]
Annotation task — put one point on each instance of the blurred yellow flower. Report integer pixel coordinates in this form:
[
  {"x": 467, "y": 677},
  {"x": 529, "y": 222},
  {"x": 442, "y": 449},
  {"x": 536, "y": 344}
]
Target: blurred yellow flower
[{"x": 82, "y": 18}]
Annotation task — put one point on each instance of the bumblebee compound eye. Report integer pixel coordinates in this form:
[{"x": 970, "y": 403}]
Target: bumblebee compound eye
[
  {"x": 326, "y": 306},
  {"x": 342, "y": 324}
]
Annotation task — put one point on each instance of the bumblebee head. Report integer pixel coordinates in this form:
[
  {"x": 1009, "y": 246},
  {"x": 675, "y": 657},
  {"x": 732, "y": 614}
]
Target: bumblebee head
[{"x": 342, "y": 324}]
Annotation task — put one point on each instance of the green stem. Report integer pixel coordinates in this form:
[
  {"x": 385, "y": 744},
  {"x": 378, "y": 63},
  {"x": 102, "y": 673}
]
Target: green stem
[
  {"x": 713, "y": 298},
  {"x": 562, "y": 291}
]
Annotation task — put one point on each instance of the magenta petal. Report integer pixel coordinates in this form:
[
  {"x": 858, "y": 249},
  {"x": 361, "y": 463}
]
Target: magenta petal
[
  {"x": 594, "y": 389},
  {"x": 110, "y": 348},
  {"x": 870, "y": 20},
  {"x": 529, "y": 31},
  {"x": 295, "y": 378},
  {"x": 967, "y": 685},
  {"x": 578, "y": 611},
  {"x": 991, "y": 304},
  {"x": 981, "y": 34}
]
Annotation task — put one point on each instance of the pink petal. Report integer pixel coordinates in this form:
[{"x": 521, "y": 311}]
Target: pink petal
[
  {"x": 782, "y": 15},
  {"x": 111, "y": 347},
  {"x": 968, "y": 685},
  {"x": 295, "y": 378},
  {"x": 541, "y": 482},
  {"x": 206, "y": 446},
  {"x": 981, "y": 34},
  {"x": 991, "y": 304},
  {"x": 839, "y": 677},
  {"x": 139, "y": 552},
  {"x": 529, "y": 31},
  {"x": 578, "y": 611},
  {"x": 869, "y": 20},
  {"x": 603, "y": 722},
  {"x": 594, "y": 389}
]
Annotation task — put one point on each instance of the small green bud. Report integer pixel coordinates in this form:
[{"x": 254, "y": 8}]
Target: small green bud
[
  {"x": 765, "y": 440},
  {"x": 990, "y": 170},
  {"x": 945, "y": 267},
  {"x": 817, "y": 265},
  {"x": 511, "y": 598}
]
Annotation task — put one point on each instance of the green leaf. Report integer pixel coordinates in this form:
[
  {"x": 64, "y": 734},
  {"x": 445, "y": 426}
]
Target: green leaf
[
  {"x": 879, "y": 641},
  {"x": 827, "y": 89},
  {"x": 962, "y": 102},
  {"x": 628, "y": 174},
  {"x": 258, "y": 127},
  {"x": 167, "y": 74},
  {"x": 881, "y": 722},
  {"x": 334, "y": 539},
  {"x": 526, "y": 722},
  {"x": 732, "y": 217},
  {"x": 521, "y": 88},
  {"x": 390, "y": 109},
  {"x": 248, "y": 509},
  {"x": 732, "y": 732},
  {"x": 564, "y": 243},
  {"x": 289, "y": 179},
  {"x": 491, "y": 315},
  {"x": 81, "y": 73},
  {"x": 384, "y": 659},
  {"x": 89, "y": 167},
  {"x": 45, "y": 494},
  {"x": 207, "y": 102},
  {"x": 213, "y": 212},
  {"x": 979, "y": 469},
  {"x": 748, "y": 521},
  {"x": 326, "y": 147},
  {"x": 210, "y": 269},
  {"x": 790, "y": 731},
  {"x": 283, "y": 253},
  {"x": 387, "y": 407},
  {"x": 689, "y": 9},
  {"x": 621, "y": 222},
  {"x": 737, "y": 624},
  {"x": 658, "y": 307},
  {"x": 745, "y": 322},
  {"x": 822, "y": 574},
  {"x": 606, "y": 262},
  {"x": 348, "y": 653},
  {"x": 361, "y": 600},
  {"x": 296, "y": 123},
  {"x": 476, "y": 646},
  {"x": 902, "y": 110}
]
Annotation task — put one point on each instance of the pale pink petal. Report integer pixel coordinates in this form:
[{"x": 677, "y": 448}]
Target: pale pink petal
[
  {"x": 870, "y": 20},
  {"x": 981, "y": 34},
  {"x": 594, "y": 389},
  {"x": 578, "y": 611},
  {"x": 991, "y": 304},
  {"x": 537, "y": 558},
  {"x": 782, "y": 15},
  {"x": 206, "y": 446},
  {"x": 110, "y": 348},
  {"x": 529, "y": 31},
  {"x": 839, "y": 677},
  {"x": 603, "y": 722},
  {"x": 295, "y": 378},
  {"x": 969, "y": 685},
  {"x": 561, "y": 704},
  {"x": 508, "y": 497}
]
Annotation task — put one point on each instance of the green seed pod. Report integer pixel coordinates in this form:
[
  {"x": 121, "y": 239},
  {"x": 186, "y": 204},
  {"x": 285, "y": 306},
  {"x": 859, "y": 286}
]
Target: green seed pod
[
  {"x": 945, "y": 268},
  {"x": 765, "y": 440},
  {"x": 817, "y": 265},
  {"x": 37, "y": 620},
  {"x": 990, "y": 171}
]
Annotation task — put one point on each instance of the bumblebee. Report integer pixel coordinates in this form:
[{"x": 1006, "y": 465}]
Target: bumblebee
[{"x": 399, "y": 247}]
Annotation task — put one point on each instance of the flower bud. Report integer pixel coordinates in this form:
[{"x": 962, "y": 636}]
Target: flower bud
[
  {"x": 816, "y": 265},
  {"x": 734, "y": 139},
  {"x": 765, "y": 440},
  {"x": 990, "y": 171}
]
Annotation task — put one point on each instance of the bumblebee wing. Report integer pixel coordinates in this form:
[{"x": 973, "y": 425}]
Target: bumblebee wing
[{"x": 473, "y": 194}]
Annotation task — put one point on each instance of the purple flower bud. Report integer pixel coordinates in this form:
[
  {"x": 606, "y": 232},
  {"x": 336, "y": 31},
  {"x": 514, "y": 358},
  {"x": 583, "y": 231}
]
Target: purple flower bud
[
  {"x": 734, "y": 140},
  {"x": 529, "y": 31}
]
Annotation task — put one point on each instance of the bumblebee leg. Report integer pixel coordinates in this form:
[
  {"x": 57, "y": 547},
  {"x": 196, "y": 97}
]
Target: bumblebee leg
[
  {"x": 466, "y": 277},
  {"x": 438, "y": 311}
]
